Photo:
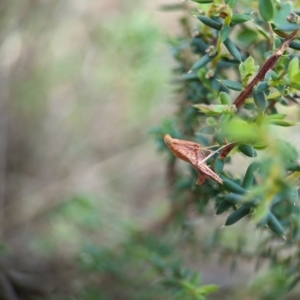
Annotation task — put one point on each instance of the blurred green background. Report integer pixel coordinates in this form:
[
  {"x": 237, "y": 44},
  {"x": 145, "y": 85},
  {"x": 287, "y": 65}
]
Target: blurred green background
[{"x": 82, "y": 82}]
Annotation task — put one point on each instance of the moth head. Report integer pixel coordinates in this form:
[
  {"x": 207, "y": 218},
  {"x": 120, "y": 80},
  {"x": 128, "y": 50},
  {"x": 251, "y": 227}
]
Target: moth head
[{"x": 168, "y": 139}]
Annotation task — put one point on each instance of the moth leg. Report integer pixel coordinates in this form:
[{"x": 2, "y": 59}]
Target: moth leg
[{"x": 201, "y": 178}]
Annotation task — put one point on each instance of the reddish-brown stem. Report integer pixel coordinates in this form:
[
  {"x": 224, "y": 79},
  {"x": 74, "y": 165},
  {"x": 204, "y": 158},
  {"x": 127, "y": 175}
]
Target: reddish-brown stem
[
  {"x": 226, "y": 150},
  {"x": 268, "y": 65}
]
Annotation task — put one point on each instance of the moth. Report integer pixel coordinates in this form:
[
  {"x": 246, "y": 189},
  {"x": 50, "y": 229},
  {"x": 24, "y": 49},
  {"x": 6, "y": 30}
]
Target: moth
[{"x": 194, "y": 154}]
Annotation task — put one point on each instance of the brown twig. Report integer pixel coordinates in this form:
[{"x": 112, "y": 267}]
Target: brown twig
[
  {"x": 268, "y": 65},
  {"x": 226, "y": 150}
]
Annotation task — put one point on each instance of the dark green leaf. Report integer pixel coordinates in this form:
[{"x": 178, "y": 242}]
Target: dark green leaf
[
  {"x": 199, "y": 45},
  {"x": 295, "y": 166},
  {"x": 248, "y": 150},
  {"x": 239, "y": 18},
  {"x": 294, "y": 45},
  {"x": 237, "y": 215},
  {"x": 224, "y": 32},
  {"x": 210, "y": 22},
  {"x": 259, "y": 99},
  {"x": 233, "y": 85},
  {"x": 204, "y": 60},
  {"x": 218, "y": 165},
  {"x": 190, "y": 76},
  {"x": 262, "y": 86},
  {"x": 232, "y": 49},
  {"x": 223, "y": 206},
  {"x": 232, "y": 186},
  {"x": 233, "y": 198},
  {"x": 249, "y": 176},
  {"x": 274, "y": 224}
]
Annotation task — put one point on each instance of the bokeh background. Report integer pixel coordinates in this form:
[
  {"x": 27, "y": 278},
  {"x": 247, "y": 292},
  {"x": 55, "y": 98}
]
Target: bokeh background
[{"x": 82, "y": 82}]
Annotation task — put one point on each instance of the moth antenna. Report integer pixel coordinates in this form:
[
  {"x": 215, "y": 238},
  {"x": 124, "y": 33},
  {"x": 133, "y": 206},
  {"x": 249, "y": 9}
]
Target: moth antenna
[
  {"x": 217, "y": 145},
  {"x": 214, "y": 152}
]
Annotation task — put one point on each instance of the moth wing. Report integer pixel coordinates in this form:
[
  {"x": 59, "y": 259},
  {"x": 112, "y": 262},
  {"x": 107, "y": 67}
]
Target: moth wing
[{"x": 204, "y": 168}]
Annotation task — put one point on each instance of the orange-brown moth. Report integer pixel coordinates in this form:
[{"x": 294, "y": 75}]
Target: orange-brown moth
[{"x": 194, "y": 154}]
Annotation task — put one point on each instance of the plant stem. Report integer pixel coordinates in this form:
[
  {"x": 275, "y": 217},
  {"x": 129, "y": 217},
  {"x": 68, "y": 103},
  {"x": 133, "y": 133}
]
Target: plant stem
[{"x": 268, "y": 65}]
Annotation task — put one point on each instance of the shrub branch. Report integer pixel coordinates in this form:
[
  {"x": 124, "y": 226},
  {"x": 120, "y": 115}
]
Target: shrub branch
[{"x": 268, "y": 65}]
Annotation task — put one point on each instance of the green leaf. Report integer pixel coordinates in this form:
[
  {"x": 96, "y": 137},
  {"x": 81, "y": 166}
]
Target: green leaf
[
  {"x": 244, "y": 132},
  {"x": 249, "y": 176},
  {"x": 215, "y": 109},
  {"x": 237, "y": 215},
  {"x": 232, "y": 49},
  {"x": 294, "y": 45},
  {"x": 274, "y": 224},
  {"x": 231, "y": 3},
  {"x": 196, "y": 278},
  {"x": 234, "y": 198},
  {"x": 232, "y": 186},
  {"x": 222, "y": 207},
  {"x": 262, "y": 86},
  {"x": 293, "y": 68},
  {"x": 239, "y": 18},
  {"x": 259, "y": 99},
  {"x": 281, "y": 11},
  {"x": 266, "y": 9},
  {"x": 225, "y": 117},
  {"x": 248, "y": 67},
  {"x": 225, "y": 98},
  {"x": 296, "y": 78},
  {"x": 199, "y": 45},
  {"x": 204, "y": 60},
  {"x": 288, "y": 27},
  {"x": 207, "y": 289},
  {"x": 232, "y": 85},
  {"x": 210, "y": 22},
  {"x": 248, "y": 150},
  {"x": 283, "y": 123},
  {"x": 247, "y": 37},
  {"x": 190, "y": 76},
  {"x": 224, "y": 32},
  {"x": 275, "y": 117},
  {"x": 295, "y": 166},
  {"x": 218, "y": 165}
]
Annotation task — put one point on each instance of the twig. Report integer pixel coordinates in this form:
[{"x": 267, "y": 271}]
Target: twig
[{"x": 268, "y": 65}]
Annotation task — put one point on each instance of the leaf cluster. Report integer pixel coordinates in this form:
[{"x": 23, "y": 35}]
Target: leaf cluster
[{"x": 238, "y": 76}]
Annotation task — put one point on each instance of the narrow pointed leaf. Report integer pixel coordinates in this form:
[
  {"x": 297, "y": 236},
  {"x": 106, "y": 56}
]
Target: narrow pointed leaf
[
  {"x": 232, "y": 85},
  {"x": 274, "y": 224},
  {"x": 224, "y": 32},
  {"x": 248, "y": 150},
  {"x": 232, "y": 49},
  {"x": 237, "y": 215},
  {"x": 203, "y": 61},
  {"x": 222, "y": 207},
  {"x": 210, "y": 22}
]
